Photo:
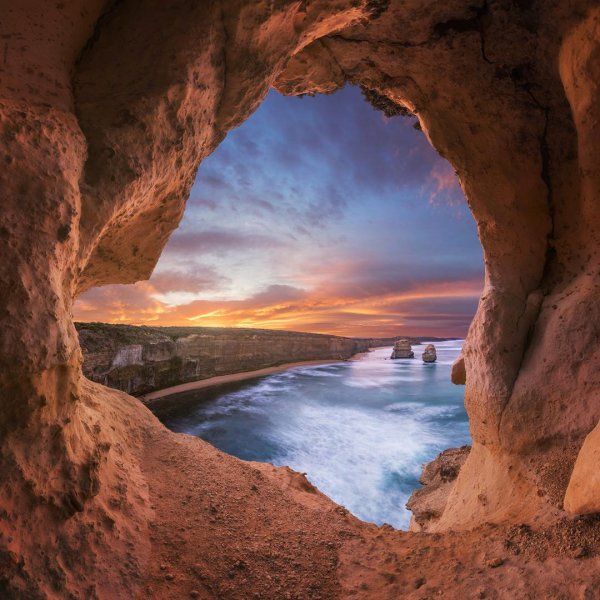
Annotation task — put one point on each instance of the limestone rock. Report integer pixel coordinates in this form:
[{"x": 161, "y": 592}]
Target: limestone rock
[
  {"x": 430, "y": 354},
  {"x": 428, "y": 503},
  {"x": 138, "y": 360},
  {"x": 402, "y": 349},
  {"x": 458, "y": 375}
]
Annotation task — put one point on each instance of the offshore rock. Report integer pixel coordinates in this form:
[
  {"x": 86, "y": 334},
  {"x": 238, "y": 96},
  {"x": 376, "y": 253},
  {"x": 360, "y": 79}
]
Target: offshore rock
[
  {"x": 402, "y": 349},
  {"x": 430, "y": 354}
]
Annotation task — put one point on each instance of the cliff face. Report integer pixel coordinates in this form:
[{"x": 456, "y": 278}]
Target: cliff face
[
  {"x": 106, "y": 110},
  {"x": 138, "y": 360}
]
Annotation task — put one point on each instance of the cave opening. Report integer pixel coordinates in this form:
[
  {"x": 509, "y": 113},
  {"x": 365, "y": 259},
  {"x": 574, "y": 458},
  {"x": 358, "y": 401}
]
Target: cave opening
[
  {"x": 327, "y": 214},
  {"x": 106, "y": 112}
]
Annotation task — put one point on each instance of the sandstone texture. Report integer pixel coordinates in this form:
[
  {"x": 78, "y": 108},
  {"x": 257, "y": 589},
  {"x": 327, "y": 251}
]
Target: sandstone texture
[
  {"x": 458, "y": 375},
  {"x": 430, "y": 354},
  {"x": 106, "y": 110},
  {"x": 402, "y": 349},
  {"x": 583, "y": 493}
]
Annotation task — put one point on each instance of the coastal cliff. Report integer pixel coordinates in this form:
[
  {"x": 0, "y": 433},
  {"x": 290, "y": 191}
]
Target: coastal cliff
[{"x": 138, "y": 360}]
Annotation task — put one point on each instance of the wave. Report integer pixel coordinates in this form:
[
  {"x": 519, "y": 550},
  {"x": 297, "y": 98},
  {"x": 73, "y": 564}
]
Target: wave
[
  {"x": 335, "y": 446},
  {"x": 360, "y": 430}
]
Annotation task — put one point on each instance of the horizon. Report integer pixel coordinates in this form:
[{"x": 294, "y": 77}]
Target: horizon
[
  {"x": 399, "y": 335},
  {"x": 317, "y": 215}
]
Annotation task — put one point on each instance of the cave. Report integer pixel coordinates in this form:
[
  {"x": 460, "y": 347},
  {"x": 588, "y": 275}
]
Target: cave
[{"x": 108, "y": 108}]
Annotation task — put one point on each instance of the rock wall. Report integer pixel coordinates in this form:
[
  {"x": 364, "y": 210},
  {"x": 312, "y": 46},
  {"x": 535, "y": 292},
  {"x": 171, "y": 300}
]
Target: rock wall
[
  {"x": 428, "y": 503},
  {"x": 138, "y": 360},
  {"x": 107, "y": 108}
]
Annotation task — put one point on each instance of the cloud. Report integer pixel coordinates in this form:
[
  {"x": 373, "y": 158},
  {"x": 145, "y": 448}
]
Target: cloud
[
  {"x": 202, "y": 203},
  {"x": 446, "y": 307},
  {"x": 218, "y": 240},
  {"x": 275, "y": 294},
  {"x": 119, "y": 304},
  {"x": 315, "y": 215},
  {"x": 445, "y": 187},
  {"x": 200, "y": 278},
  {"x": 214, "y": 182}
]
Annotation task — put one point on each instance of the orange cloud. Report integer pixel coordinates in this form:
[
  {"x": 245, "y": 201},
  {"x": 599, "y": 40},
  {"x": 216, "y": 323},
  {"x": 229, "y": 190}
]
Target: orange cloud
[{"x": 436, "y": 308}]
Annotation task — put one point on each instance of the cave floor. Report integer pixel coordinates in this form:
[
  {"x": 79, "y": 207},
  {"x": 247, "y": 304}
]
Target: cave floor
[{"x": 228, "y": 529}]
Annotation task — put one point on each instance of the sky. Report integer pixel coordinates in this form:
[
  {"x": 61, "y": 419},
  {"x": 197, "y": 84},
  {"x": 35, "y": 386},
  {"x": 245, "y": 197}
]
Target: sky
[{"x": 317, "y": 214}]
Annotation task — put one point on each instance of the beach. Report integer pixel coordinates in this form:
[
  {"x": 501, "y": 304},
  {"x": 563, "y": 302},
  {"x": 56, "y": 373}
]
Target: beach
[
  {"x": 360, "y": 429},
  {"x": 229, "y": 378}
]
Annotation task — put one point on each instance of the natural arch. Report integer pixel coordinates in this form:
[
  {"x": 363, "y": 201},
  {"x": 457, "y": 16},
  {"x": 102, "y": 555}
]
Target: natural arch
[{"x": 107, "y": 109}]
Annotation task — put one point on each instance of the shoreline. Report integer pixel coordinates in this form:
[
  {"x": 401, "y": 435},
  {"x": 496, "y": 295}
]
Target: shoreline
[
  {"x": 233, "y": 377},
  {"x": 243, "y": 376}
]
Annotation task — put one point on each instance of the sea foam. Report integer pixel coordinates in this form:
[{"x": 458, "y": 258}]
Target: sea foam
[{"x": 360, "y": 430}]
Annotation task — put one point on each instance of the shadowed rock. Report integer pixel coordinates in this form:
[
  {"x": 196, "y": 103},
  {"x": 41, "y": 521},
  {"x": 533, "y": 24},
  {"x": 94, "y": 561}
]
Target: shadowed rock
[{"x": 458, "y": 375}]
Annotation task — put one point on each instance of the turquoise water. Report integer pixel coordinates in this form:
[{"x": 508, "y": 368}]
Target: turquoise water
[{"x": 360, "y": 430}]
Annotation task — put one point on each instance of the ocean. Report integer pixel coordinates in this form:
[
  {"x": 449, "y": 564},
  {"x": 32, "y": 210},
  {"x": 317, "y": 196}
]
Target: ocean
[{"x": 360, "y": 430}]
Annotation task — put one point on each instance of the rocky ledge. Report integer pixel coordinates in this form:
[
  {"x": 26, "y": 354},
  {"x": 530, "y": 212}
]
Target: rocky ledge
[{"x": 428, "y": 503}]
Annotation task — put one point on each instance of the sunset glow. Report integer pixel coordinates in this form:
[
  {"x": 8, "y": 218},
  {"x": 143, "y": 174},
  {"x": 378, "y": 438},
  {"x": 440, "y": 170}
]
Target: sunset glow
[{"x": 318, "y": 214}]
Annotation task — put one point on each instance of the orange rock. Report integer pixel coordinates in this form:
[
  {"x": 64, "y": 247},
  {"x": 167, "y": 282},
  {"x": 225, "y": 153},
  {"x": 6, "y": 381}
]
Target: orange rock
[
  {"x": 107, "y": 109},
  {"x": 583, "y": 493}
]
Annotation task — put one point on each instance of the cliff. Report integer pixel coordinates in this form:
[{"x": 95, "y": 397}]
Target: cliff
[
  {"x": 139, "y": 360},
  {"x": 142, "y": 359}
]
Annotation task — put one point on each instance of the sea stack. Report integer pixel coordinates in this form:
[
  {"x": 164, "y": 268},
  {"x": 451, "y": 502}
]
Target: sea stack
[
  {"x": 429, "y": 355},
  {"x": 402, "y": 349}
]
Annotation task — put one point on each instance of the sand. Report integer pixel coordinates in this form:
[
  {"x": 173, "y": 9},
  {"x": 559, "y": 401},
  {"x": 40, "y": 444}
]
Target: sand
[{"x": 221, "y": 379}]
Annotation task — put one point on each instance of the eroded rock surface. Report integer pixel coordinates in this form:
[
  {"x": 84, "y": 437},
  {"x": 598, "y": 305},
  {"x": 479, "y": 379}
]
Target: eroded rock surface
[
  {"x": 429, "y": 502},
  {"x": 429, "y": 354},
  {"x": 106, "y": 110},
  {"x": 402, "y": 349}
]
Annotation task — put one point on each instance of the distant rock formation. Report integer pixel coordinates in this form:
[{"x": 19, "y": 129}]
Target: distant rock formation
[
  {"x": 429, "y": 355},
  {"x": 427, "y": 504},
  {"x": 139, "y": 360},
  {"x": 402, "y": 349}
]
